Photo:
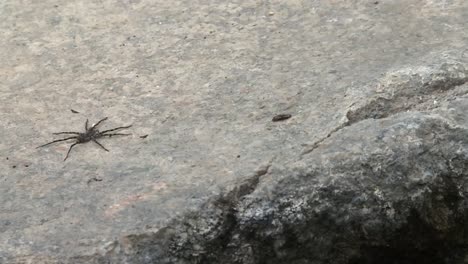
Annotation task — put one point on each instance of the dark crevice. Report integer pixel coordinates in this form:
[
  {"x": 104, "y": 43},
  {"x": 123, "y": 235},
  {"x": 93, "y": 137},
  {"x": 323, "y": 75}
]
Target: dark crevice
[
  {"x": 416, "y": 242},
  {"x": 227, "y": 204},
  {"x": 428, "y": 237}
]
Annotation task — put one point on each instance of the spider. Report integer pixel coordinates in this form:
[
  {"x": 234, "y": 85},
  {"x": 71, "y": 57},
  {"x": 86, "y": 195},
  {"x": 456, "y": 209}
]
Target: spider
[{"x": 90, "y": 134}]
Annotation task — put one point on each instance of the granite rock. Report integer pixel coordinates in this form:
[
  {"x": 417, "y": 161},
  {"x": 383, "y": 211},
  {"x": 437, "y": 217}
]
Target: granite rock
[{"x": 370, "y": 165}]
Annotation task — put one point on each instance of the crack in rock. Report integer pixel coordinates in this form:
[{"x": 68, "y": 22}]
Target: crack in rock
[
  {"x": 196, "y": 238},
  {"x": 408, "y": 88},
  {"x": 403, "y": 91}
]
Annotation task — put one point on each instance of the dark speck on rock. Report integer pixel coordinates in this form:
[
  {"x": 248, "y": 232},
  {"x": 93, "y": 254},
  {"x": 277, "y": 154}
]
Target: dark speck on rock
[
  {"x": 281, "y": 117},
  {"x": 94, "y": 179}
]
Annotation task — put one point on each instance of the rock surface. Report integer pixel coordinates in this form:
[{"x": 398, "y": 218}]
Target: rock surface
[{"x": 372, "y": 164}]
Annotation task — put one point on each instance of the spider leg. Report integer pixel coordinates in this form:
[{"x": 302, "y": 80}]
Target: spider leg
[
  {"x": 95, "y": 141},
  {"x": 113, "y": 129},
  {"x": 99, "y": 122},
  {"x": 58, "y": 140},
  {"x": 59, "y": 133},
  {"x": 114, "y": 134},
  {"x": 86, "y": 125},
  {"x": 69, "y": 150}
]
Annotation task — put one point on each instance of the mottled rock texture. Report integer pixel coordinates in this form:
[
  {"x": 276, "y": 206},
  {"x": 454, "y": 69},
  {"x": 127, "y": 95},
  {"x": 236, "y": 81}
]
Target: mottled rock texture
[{"x": 370, "y": 168}]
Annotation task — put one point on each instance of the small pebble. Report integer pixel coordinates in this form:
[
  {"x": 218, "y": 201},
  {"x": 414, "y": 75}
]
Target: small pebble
[{"x": 281, "y": 117}]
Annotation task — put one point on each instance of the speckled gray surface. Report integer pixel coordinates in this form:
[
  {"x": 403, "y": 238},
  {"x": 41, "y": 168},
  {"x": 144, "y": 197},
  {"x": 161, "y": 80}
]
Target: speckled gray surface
[{"x": 203, "y": 80}]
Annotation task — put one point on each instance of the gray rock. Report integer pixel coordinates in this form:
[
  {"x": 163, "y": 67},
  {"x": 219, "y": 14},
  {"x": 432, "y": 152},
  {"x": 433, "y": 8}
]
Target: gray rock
[
  {"x": 391, "y": 190},
  {"x": 371, "y": 164}
]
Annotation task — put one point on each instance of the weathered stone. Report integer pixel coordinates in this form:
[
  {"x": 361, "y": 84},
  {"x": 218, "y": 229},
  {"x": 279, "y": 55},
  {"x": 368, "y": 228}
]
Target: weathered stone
[
  {"x": 393, "y": 188},
  {"x": 371, "y": 164}
]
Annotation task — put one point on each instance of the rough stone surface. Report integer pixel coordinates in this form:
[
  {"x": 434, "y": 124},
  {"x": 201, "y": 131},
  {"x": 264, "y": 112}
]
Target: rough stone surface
[{"x": 372, "y": 164}]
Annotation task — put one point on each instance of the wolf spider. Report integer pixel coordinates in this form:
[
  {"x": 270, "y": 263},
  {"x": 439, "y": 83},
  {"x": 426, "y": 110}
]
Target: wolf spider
[{"x": 90, "y": 134}]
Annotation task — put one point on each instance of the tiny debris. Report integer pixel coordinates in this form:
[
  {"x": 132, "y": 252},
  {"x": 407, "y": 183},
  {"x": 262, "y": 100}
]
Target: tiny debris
[
  {"x": 94, "y": 179},
  {"x": 7, "y": 158},
  {"x": 281, "y": 117},
  {"x": 144, "y": 136},
  {"x": 26, "y": 165},
  {"x": 14, "y": 166},
  {"x": 74, "y": 111}
]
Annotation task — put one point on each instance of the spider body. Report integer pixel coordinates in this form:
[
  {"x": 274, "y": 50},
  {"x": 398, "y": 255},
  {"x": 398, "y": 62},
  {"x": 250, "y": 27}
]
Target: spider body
[
  {"x": 90, "y": 134},
  {"x": 86, "y": 137}
]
